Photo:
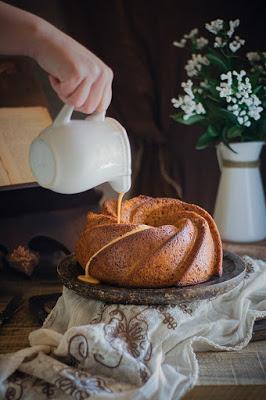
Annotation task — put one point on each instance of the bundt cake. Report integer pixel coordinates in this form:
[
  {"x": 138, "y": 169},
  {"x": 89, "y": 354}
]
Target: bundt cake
[{"x": 160, "y": 242}]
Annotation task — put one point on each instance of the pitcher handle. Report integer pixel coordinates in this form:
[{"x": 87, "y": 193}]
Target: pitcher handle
[
  {"x": 96, "y": 116},
  {"x": 64, "y": 115},
  {"x": 219, "y": 158}
]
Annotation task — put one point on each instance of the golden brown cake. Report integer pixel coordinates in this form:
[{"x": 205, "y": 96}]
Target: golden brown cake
[{"x": 160, "y": 242}]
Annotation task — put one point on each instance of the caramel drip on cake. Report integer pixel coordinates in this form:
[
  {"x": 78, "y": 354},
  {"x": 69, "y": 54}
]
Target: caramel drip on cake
[
  {"x": 90, "y": 279},
  {"x": 119, "y": 206}
]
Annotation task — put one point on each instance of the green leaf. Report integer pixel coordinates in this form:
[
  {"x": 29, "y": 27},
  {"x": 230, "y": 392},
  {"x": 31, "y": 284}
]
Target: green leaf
[
  {"x": 227, "y": 115},
  {"x": 225, "y": 141},
  {"x": 204, "y": 141},
  {"x": 218, "y": 62},
  {"x": 212, "y": 131},
  {"x": 234, "y": 131},
  {"x": 258, "y": 88},
  {"x": 190, "y": 121}
]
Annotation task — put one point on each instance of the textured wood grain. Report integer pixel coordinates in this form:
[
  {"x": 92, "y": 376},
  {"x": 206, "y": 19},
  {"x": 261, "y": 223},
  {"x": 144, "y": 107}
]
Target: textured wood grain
[
  {"x": 18, "y": 127},
  {"x": 14, "y": 334},
  {"x": 226, "y": 392},
  {"x": 234, "y": 368},
  {"x": 256, "y": 250}
]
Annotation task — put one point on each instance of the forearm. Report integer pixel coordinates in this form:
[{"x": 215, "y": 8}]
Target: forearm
[
  {"x": 78, "y": 76},
  {"x": 19, "y": 31}
]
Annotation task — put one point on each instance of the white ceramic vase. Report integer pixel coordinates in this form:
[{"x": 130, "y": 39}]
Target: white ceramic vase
[{"x": 240, "y": 211}]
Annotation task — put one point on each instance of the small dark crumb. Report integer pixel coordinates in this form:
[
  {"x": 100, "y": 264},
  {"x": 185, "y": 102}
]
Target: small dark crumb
[{"x": 24, "y": 260}]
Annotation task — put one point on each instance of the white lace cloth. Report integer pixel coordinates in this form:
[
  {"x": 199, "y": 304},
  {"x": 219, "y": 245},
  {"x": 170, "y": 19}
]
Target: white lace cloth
[{"x": 89, "y": 349}]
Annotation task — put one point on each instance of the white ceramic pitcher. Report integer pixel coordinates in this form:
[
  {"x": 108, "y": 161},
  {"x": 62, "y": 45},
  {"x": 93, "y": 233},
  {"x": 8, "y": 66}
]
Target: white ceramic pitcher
[
  {"x": 240, "y": 211},
  {"x": 72, "y": 156}
]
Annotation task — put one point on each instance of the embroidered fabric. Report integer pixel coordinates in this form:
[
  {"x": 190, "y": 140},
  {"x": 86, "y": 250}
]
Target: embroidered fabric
[{"x": 87, "y": 348}]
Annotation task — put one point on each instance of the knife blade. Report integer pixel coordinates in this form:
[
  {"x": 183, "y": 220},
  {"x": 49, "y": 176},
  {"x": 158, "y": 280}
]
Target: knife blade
[{"x": 12, "y": 306}]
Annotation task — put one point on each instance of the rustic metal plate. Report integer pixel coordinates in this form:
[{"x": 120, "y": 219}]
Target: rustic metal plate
[{"x": 233, "y": 273}]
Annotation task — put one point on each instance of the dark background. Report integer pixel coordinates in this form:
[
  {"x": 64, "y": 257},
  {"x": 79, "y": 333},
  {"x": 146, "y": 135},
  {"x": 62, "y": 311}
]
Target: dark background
[{"x": 135, "y": 39}]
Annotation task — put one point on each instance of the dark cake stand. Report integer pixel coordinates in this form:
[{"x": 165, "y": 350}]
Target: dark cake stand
[{"x": 233, "y": 274}]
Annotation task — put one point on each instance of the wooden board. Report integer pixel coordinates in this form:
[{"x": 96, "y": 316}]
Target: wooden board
[
  {"x": 18, "y": 127},
  {"x": 255, "y": 249},
  {"x": 233, "y": 267}
]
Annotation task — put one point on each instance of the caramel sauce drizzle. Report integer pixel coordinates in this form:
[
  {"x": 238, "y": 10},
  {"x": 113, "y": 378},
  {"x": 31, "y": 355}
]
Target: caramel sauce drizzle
[
  {"x": 87, "y": 277},
  {"x": 119, "y": 206}
]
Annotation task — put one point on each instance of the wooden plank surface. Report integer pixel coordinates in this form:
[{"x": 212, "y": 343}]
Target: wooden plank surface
[
  {"x": 227, "y": 392},
  {"x": 256, "y": 250},
  {"x": 18, "y": 127},
  {"x": 247, "y": 366},
  {"x": 14, "y": 334}
]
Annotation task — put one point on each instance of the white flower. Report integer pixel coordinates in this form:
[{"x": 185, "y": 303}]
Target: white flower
[
  {"x": 225, "y": 88},
  {"x": 240, "y": 74},
  {"x": 194, "y": 65},
  {"x": 177, "y": 102},
  {"x": 219, "y": 42},
  {"x": 200, "y": 109},
  {"x": 236, "y": 88},
  {"x": 181, "y": 43},
  {"x": 187, "y": 103},
  {"x": 201, "y": 42},
  {"x": 253, "y": 56},
  {"x": 255, "y": 109},
  {"x": 187, "y": 86},
  {"x": 204, "y": 84},
  {"x": 215, "y": 26},
  {"x": 236, "y": 44},
  {"x": 232, "y": 26},
  {"x": 191, "y": 34},
  {"x": 227, "y": 77}
]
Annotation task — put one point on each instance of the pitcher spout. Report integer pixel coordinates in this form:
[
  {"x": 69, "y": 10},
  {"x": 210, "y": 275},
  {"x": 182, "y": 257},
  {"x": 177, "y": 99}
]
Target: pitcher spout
[{"x": 121, "y": 184}]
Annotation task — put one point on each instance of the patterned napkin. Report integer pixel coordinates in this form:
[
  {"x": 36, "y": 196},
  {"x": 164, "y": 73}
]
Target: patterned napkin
[{"x": 89, "y": 349}]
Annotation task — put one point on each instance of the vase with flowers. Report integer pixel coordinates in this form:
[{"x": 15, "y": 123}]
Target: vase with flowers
[{"x": 226, "y": 94}]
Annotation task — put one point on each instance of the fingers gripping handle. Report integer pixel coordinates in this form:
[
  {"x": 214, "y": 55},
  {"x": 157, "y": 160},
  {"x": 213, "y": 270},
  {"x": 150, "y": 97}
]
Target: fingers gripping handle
[
  {"x": 64, "y": 116},
  {"x": 96, "y": 116}
]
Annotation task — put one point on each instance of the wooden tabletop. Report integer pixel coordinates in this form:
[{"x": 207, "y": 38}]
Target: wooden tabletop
[{"x": 255, "y": 250}]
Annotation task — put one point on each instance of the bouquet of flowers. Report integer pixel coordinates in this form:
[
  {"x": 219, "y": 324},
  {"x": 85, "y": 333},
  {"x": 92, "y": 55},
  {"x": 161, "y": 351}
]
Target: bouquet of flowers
[{"x": 225, "y": 92}]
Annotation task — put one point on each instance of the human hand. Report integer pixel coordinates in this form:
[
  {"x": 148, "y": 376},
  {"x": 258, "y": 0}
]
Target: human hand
[{"x": 78, "y": 77}]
